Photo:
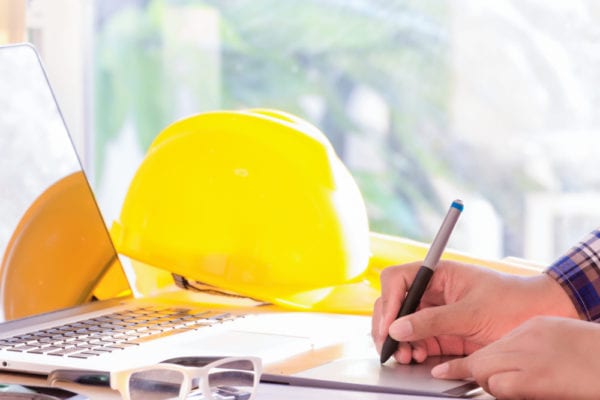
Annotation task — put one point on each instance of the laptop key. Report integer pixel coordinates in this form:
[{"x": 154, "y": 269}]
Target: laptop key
[
  {"x": 84, "y": 355},
  {"x": 23, "y": 348},
  {"x": 63, "y": 352},
  {"x": 101, "y": 350},
  {"x": 159, "y": 335}
]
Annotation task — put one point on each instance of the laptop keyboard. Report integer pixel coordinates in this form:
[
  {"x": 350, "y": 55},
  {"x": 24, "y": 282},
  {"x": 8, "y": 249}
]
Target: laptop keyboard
[{"x": 116, "y": 331}]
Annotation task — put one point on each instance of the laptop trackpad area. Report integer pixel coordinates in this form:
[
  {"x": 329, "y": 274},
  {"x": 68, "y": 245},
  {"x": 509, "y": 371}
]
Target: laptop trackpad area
[
  {"x": 320, "y": 329},
  {"x": 270, "y": 347},
  {"x": 278, "y": 336}
]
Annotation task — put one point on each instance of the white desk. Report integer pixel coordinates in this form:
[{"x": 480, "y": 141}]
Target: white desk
[{"x": 265, "y": 391}]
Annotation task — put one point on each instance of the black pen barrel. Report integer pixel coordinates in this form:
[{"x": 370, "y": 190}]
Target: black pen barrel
[{"x": 409, "y": 306}]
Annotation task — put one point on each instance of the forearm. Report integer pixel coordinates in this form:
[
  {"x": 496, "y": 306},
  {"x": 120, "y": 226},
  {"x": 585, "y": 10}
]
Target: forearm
[{"x": 578, "y": 273}]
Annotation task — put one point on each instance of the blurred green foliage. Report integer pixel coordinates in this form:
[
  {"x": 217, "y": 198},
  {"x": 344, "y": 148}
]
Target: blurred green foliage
[{"x": 275, "y": 54}]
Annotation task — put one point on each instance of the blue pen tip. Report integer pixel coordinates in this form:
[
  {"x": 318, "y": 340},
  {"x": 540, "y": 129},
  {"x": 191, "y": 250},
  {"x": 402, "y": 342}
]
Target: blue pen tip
[{"x": 458, "y": 205}]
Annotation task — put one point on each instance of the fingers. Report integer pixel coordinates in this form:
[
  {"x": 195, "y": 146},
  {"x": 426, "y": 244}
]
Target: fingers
[
  {"x": 376, "y": 333},
  {"x": 451, "y": 319},
  {"x": 394, "y": 284},
  {"x": 404, "y": 352},
  {"x": 507, "y": 385},
  {"x": 410, "y": 330},
  {"x": 524, "y": 385},
  {"x": 491, "y": 368},
  {"x": 462, "y": 368},
  {"x": 433, "y": 320},
  {"x": 419, "y": 352},
  {"x": 508, "y": 375},
  {"x": 416, "y": 351},
  {"x": 454, "y": 369}
]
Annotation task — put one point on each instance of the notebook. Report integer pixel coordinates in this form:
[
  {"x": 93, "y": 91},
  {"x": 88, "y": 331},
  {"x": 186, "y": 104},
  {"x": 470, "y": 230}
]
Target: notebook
[{"x": 54, "y": 248}]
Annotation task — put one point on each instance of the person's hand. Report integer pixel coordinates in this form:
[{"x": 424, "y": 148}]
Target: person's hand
[
  {"x": 464, "y": 308},
  {"x": 544, "y": 358}
]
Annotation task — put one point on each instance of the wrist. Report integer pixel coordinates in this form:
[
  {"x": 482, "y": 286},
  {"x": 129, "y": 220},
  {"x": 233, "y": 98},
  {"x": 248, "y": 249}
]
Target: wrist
[{"x": 553, "y": 298}]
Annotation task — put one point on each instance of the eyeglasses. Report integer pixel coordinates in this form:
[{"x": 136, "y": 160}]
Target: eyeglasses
[{"x": 210, "y": 378}]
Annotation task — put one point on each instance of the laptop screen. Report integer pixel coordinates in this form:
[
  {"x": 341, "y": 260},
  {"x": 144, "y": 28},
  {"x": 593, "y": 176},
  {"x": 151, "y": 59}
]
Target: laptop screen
[{"x": 54, "y": 246}]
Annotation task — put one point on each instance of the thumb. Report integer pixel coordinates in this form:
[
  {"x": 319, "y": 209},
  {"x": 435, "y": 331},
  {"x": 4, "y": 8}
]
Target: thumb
[
  {"x": 454, "y": 369},
  {"x": 430, "y": 322}
]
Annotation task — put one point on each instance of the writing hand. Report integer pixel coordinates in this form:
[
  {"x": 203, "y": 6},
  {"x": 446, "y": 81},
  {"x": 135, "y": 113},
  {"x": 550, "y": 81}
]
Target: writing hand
[{"x": 464, "y": 308}]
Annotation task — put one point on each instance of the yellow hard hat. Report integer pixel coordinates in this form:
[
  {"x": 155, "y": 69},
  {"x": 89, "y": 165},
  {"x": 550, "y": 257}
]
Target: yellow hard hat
[{"x": 255, "y": 202}]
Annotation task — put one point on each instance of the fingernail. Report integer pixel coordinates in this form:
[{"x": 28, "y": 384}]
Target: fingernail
[
  {"x": 440, "y": 370},
  {"x": 401, "y": 330}
]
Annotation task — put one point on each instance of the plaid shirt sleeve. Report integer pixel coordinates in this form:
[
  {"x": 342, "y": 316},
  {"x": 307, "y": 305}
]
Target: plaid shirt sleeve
[{"x": 578, "y": 272}]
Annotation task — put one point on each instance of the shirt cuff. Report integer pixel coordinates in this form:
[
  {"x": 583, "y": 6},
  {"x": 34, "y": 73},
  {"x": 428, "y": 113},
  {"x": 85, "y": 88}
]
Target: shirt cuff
[{"x": 578, "y": 272}]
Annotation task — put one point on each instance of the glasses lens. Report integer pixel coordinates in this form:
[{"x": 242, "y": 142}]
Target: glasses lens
[
  {"x": 155, "y": 384},
  {"x": 234, "y": 380}
]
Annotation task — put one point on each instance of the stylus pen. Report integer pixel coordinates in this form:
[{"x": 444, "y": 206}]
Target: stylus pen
[{"x": 413, "y": 297}]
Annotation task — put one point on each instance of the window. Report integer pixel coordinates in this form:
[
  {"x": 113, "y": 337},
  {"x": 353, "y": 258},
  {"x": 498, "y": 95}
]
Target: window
[{"x": 424, "y": 101}]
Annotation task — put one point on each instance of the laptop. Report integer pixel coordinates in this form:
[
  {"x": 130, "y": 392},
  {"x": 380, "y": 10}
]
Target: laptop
[{"x": 55, "y": 248}]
